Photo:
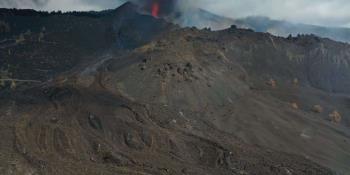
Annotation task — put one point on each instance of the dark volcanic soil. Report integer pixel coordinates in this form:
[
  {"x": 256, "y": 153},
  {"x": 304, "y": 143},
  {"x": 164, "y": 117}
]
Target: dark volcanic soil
[{"x": 149, "y": 97}]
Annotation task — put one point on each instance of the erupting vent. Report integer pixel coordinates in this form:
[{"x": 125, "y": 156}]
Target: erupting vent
[{"x": 155, "y": 9}]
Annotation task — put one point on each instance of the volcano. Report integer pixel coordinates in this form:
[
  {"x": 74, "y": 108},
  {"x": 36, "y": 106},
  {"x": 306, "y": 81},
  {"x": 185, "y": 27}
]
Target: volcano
[{"x": 123, "y": 92}]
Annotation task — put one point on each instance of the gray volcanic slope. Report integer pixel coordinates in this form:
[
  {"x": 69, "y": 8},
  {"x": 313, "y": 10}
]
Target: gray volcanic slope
[{"x": 152, "y": 98}]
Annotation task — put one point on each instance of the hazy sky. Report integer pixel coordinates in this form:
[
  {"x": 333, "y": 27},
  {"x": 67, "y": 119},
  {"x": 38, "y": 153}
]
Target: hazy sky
[{"x": 320, "y": 12}]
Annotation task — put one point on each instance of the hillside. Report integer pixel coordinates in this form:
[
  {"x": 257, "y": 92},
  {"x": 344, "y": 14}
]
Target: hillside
[{"x": 37, "y": 45}]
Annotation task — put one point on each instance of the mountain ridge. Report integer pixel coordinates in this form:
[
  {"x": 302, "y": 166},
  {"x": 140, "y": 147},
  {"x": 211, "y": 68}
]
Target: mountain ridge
[{"x": 204, "y": 19}]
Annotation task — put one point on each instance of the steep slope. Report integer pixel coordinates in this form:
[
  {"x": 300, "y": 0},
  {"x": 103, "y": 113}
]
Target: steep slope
[{"x": 221, "y": 77}]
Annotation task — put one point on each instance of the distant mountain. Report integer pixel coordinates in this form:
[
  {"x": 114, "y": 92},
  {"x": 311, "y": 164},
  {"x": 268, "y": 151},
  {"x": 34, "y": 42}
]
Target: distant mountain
[
  {"x": 284, "y": 28},
  {"x": 202, "y": 18}
]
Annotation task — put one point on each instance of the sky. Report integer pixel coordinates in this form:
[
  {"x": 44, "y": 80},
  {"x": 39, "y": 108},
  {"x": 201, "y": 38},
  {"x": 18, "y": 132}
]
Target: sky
[{"x": 335, "y": 13}]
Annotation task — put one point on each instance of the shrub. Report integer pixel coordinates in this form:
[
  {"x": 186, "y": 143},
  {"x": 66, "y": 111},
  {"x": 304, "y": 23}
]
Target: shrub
[
  {"x": 41, "y": 36},
  {"x": 317, "y": 109},
  {"x": 20, "y": 39},
  {"x": 294, "y": 105},
  {"x": 272, "y": 83},
  {"x": 296, "y": 81},
  {"x": 335, "y": 117},
  {"x": 13, "y": 84}
]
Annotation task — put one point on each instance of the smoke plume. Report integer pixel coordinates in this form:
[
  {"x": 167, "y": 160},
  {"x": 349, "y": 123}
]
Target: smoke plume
[{"x": 30, "y": 4}]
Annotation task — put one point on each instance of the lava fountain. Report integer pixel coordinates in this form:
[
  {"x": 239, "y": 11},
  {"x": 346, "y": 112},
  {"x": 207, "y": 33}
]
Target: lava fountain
[{"x": 155, "y": 9}]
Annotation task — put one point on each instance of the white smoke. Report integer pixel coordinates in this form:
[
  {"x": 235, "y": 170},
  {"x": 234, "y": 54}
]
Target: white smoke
[
  {"x": 62, "y": 5},
  {"x": 27, "y": 4}
]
